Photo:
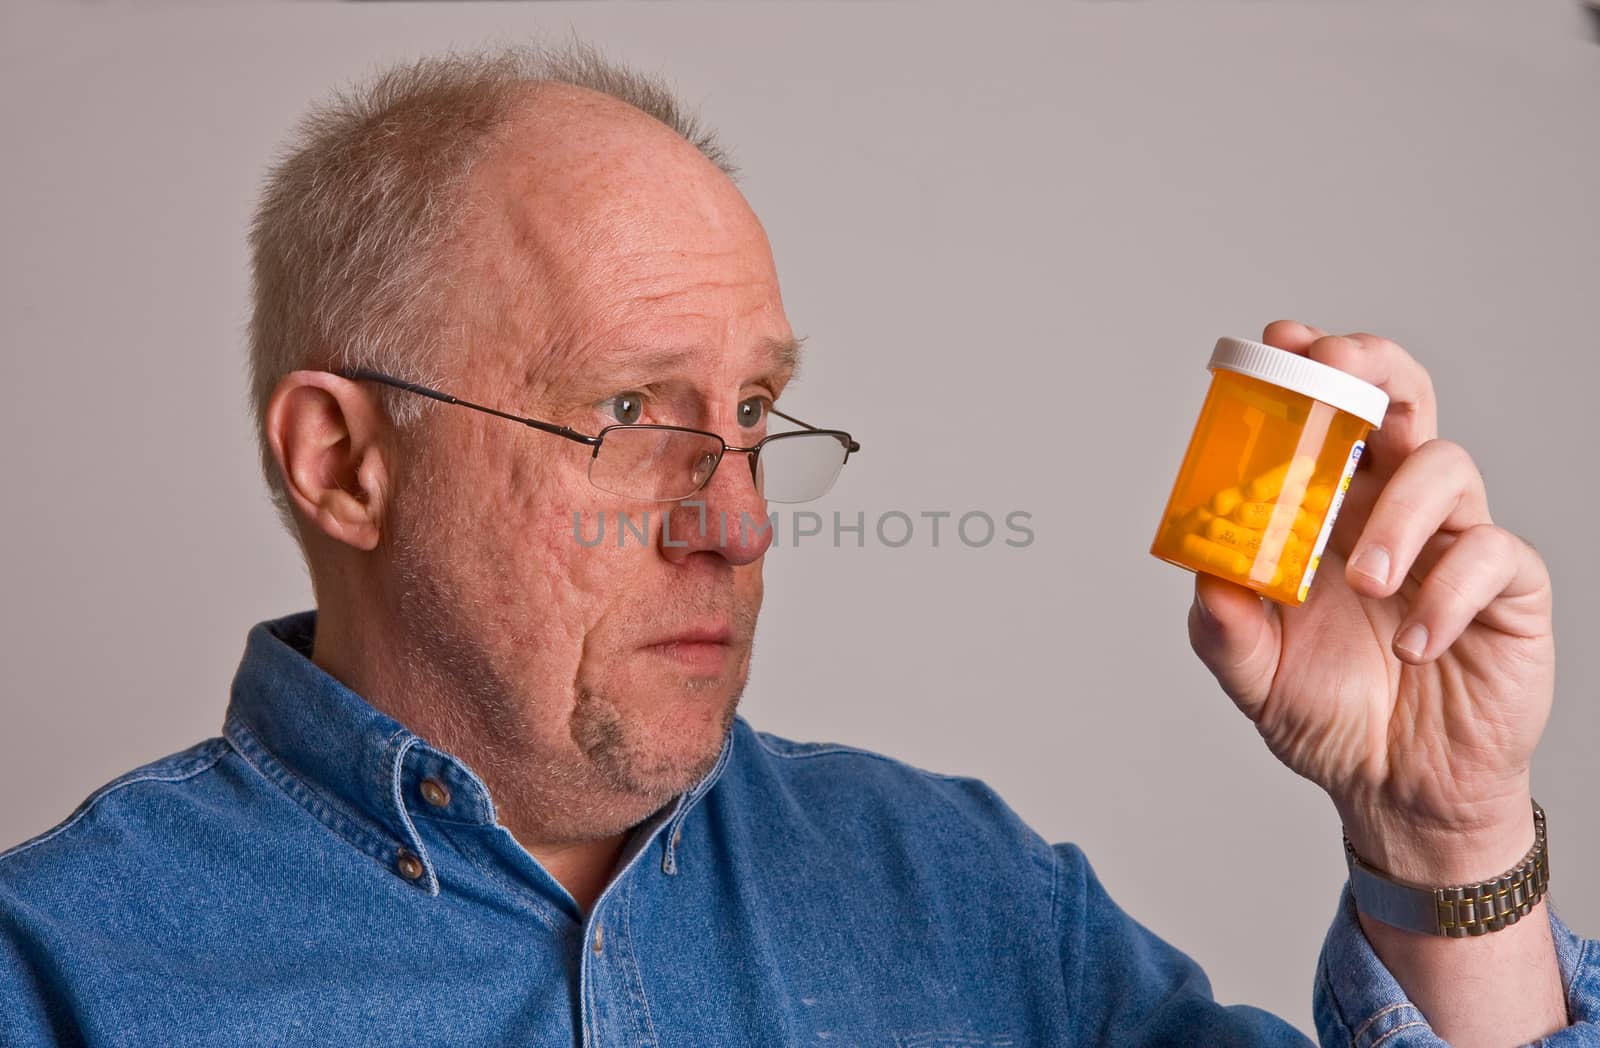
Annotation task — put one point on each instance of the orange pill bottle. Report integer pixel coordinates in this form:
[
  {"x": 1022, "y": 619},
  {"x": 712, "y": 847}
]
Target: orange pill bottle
[{"x": 1267, "y": 467}]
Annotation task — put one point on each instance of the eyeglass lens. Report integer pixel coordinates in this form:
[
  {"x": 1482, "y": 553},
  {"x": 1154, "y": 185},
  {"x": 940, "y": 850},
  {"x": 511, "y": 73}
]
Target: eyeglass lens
[{"x": 669, "y": 464}]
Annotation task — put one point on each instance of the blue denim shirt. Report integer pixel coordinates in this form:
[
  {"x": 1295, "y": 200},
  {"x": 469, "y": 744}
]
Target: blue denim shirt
[{"x": 293, "y": 882}]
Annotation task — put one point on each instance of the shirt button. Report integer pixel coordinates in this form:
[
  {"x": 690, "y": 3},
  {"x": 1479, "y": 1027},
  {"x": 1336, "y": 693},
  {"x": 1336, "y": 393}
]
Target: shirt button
[
  {"x": 409, "y": 865},
  {"x": 435, "y": 792},
  {"x": 599, "y": 939}
]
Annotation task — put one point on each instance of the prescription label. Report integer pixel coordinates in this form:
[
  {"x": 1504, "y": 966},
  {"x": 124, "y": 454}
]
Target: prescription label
[{"x": 1333, "y": 512}]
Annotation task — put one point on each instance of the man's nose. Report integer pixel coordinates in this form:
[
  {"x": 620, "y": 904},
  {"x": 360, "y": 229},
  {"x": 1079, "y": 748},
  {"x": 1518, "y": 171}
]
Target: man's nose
[{"x": 726, "y": 517}]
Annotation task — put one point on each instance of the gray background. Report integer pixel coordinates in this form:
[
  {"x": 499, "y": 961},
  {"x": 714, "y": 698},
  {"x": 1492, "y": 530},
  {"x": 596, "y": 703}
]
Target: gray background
[{"x": 1012, "y": 235}]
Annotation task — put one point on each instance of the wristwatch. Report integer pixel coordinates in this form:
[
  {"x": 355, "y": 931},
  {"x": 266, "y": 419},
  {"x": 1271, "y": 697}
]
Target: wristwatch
[{"x": 1460, "y": 910}]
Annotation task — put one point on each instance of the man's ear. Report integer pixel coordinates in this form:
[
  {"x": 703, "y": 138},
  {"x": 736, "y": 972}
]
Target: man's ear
[{"x": 324, "y": 431}]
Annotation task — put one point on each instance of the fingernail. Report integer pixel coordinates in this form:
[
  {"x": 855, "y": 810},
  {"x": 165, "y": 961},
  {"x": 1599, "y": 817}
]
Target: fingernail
[
  {"x": 1373, "y": 562},
  {"x": 1205, "y": 612},
  {"x": 1412, "y": 639}
]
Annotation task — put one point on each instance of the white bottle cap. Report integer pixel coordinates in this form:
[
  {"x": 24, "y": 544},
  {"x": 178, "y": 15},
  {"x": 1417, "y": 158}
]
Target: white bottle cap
[{"x": 1302, "y": 375}]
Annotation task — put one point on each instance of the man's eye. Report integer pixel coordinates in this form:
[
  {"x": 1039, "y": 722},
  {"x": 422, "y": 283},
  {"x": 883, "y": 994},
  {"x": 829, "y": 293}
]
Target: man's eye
[
  {"x": 626, "y": 408},
  {"x": 751, "y": 411}
]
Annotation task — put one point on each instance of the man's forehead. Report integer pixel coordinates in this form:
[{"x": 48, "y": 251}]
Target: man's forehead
[
  {"x": 625, "y": 256},
  {"x": 581, "y": 161}
]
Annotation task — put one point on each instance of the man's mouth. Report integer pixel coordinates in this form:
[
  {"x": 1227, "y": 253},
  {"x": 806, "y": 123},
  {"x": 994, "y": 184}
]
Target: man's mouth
[{"x": 702, "y": 648}]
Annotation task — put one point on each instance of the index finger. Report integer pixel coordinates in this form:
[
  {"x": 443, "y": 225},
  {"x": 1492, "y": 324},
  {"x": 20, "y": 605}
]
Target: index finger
[{"x": 1412, "y": 418}]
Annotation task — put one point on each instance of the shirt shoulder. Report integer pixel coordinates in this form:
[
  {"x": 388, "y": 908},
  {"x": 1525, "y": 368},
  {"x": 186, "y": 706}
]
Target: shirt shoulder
[
  {"x": 867, "y": 799},
  {"x": 119, "y": 821}
]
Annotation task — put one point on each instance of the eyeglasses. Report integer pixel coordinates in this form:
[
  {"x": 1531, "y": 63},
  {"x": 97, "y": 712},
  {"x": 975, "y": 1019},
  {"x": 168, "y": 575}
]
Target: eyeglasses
[{"x": 670, "y": 463}]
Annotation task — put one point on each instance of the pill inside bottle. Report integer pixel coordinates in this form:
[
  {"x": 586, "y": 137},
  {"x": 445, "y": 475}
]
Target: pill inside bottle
[{"x": 1270, "y": 459}]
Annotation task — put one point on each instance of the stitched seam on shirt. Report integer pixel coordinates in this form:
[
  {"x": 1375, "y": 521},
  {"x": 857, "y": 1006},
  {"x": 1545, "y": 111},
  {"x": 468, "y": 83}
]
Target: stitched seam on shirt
[
  {"x": 1403, "y": 1026},
  {"x": 1578, "y": 975},
  {"x": 1376, "y": 1016},
  {"x": 523, "y": 895},
  {"x": 1056, "y": 926},
  {"x": 687, "y": 801},
  {"x": 328, "y": 814},
  {"x": 1080, "y": 942},
  {"x": 482, "y": 803},
  {"x": 633, "y": 962},
  {"x": 1338, "y": 1009},
  {"x": 1055, "y": 880},
  {"x": 397, "y": 798},
  {"x": 198, "y": 764}
]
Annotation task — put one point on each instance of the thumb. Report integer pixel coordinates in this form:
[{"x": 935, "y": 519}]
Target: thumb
[{"x": 1237, "y": 635}]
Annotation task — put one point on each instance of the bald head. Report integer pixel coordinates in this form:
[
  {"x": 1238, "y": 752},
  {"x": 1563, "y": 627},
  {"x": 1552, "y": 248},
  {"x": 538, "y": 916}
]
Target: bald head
[{"x": 587, "y": 216}]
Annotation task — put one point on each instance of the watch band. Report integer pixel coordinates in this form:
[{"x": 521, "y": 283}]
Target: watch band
[{"x": 1460, "y": 910}]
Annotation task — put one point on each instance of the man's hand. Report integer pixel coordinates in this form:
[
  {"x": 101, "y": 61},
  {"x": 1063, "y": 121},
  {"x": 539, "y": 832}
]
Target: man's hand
[
  {"x": 1422, "y": 737},
  {"x": 1423, "y": 740}
]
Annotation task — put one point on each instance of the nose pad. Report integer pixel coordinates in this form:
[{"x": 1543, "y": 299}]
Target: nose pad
[{"x": 703, "y": 468}]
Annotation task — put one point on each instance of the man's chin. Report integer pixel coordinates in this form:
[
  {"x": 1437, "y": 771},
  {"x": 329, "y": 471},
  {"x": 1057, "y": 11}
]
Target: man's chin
[{"x": 661, "y": 747}]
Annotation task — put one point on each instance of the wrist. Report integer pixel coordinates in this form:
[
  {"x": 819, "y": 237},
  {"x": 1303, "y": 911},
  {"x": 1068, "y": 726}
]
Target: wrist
[{"x": 1478, "y": 844}]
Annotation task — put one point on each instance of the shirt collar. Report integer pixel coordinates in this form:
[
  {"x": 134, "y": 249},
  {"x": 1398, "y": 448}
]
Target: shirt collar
[{"x": 357, "y": 769}]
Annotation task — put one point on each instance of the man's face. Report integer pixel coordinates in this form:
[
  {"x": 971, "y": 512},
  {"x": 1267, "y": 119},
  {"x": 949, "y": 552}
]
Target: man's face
[{"x": 613, "y": 275}]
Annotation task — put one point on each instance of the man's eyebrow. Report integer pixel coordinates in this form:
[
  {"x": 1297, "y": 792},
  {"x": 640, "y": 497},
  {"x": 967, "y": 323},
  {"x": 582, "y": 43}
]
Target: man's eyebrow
[{"x": 783, "y": 355}]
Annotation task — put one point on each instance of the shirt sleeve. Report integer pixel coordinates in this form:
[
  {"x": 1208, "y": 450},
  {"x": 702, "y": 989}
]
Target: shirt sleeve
[
  {"x": 28, "y": 1016},
  {"x": 1358, "y": 1002},
  {"x": 1129, "y": 987}
]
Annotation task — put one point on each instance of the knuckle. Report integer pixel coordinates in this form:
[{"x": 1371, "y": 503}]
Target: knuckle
[
  {"x": 1492, "y": 544},
  {"x": 1446, "y": 446},
  {"x": 1337, "y": 351},
  {"x": 1381, "y": 344},
  {"x": 1452, "y": 454},
  {"x": 1497, "y": 541}
]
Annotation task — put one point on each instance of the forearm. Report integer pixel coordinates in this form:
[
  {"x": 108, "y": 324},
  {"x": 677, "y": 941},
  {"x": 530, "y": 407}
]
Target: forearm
[
  {"x": 1501, "y": 988},
  {"x": 1490, "y": 991}
]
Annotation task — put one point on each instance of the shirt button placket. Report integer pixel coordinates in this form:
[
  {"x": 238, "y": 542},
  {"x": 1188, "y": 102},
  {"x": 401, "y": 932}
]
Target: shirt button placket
[
  {"x": 616, "y": 1007},
  {"x": 600, "y": 1016}
]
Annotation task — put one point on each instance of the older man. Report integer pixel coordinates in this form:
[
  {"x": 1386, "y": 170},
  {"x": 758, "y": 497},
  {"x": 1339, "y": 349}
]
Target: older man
[{"x": 493, "y": 789}]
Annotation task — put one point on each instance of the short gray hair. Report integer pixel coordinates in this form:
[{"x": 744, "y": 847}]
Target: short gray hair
[{"x": 357, "y": 215}]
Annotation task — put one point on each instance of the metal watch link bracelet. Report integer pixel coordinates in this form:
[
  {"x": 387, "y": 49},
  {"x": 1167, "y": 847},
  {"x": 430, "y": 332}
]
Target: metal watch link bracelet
[{"x": 1460, "y": 910}]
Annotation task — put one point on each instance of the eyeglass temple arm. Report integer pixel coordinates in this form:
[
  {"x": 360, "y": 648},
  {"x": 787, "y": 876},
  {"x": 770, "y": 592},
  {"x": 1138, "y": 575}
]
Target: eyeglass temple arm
[
  {"x": 548, "y": 427},
  {"x": 852, "y": 445},
  {"x": 388, "y": 380}
]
